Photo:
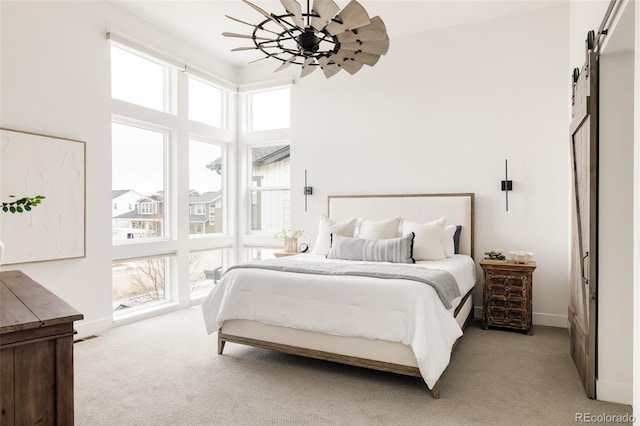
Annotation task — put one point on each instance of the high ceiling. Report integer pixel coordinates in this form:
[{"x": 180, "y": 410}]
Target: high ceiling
[{"x": 201, "y": 22}]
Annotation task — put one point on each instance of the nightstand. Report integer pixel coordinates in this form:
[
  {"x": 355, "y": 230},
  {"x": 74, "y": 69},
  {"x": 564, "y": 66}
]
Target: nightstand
[
  {"x": 283, "y": 254},
  {"x": 508, "y": 291}
]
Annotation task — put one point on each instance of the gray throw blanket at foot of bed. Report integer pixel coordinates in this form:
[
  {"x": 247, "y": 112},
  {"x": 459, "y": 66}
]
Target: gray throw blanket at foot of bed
[{"x": 442, "y": 281}]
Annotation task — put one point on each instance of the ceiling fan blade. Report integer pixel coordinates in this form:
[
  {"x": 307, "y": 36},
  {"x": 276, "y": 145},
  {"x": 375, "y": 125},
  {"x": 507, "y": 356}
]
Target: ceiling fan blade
[
  {"x": 351, "y": 66},
  {"x": 307, "y": 67},
  {"x": 238, "y": 49},
  {"x": 246, "y": 36},
  {"x": 285, "y": 64},
  {"x": 258, "y": 60},
  {"x": 351, "y": 17},
  {"x": 326, "y": 9},
  {"x": 266, "y": 14},
  {"x": 329, "y": 68},
  {"x": 294, "y": 8},
  {"x": 251, "y": 25},
  {"x": 375, "y": 31},
  {"x": 378, "y": 47},
  {"x": 360, "y": 57}
]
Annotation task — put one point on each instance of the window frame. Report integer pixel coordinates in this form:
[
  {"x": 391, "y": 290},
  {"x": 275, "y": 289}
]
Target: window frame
[
  {"x": 247, "y": 139},
  {"x": 179, "y": 130},
  {"x": 167, "y": 217},
  {"x": 224, "y": 186},
  {"x": 251, "y": 189},
  {"x": 224, "y": 112},
  {"x": 169, "y": 80}
]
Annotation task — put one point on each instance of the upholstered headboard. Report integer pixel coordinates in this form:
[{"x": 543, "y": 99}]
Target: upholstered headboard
[{"x": 457, "y": 207}]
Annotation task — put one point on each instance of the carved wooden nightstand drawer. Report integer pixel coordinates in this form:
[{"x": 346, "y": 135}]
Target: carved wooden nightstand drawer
[{"x": 508, "y": 293}]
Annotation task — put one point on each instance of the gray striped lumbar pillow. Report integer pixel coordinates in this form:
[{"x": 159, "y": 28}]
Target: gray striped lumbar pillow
[{"x": 396, "y": 250}]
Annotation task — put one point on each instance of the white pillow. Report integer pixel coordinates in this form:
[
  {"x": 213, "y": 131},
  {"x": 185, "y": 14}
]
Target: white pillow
[
  {"x": 326, "y": 227},
  {"x": 380, "y": 230},
  {"x": 427, "y": 244},
  {"x": 447, "y": 240}
]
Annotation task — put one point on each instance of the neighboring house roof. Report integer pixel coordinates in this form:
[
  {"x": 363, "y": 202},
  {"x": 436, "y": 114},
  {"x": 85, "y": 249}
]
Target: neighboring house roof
[
  {"x": 262, "y": 155},
  {"x": 215, "y": 165},
  {"x": 118, "y": 192},
  {"x": 205, "y": 197},
  {"x": 133, "y": 214}
]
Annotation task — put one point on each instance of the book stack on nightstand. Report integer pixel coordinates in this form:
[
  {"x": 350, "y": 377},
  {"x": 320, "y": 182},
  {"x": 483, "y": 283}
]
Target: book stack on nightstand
[{"x": 508, "y": 292}]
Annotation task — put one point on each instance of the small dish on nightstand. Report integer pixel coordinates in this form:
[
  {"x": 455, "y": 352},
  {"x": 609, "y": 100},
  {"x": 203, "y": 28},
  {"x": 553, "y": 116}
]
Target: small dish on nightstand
[{"x": 521, "y": 256}]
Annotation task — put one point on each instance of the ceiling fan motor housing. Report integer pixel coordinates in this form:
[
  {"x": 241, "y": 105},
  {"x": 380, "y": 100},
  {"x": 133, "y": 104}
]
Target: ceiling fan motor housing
[{"x": 309, "y": 42}]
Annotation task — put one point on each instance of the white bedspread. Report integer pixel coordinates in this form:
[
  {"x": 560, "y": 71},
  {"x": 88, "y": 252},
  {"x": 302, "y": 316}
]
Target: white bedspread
[{"x": 395, "y": 310}]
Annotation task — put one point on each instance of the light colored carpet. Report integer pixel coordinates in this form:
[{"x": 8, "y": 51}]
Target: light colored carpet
[{"x": 166, "y": 371}]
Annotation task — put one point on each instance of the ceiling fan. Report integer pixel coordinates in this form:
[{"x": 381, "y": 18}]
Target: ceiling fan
[{"x": 323, "y": 37}]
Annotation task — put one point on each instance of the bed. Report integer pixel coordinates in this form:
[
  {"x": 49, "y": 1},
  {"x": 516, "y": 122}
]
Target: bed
[{"x": 383, "y": 322}]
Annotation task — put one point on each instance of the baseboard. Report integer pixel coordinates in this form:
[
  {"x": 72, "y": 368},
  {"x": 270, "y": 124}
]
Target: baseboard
[
  {"x": 90, "y": 328},
  {"x": 550, "y": 320},
  {"x": 477, "y": 312},
  {"x": 618, "y": 392}
]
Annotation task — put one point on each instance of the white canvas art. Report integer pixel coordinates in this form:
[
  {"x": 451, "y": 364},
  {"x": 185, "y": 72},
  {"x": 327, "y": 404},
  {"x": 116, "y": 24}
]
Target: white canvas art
[{"x": 32, "y": 165}]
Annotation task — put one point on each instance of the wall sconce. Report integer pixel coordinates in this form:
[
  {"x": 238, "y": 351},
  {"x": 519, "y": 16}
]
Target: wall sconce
[
  {"x": 308, "y": 190},
  {"x": 506, "y": 185}
]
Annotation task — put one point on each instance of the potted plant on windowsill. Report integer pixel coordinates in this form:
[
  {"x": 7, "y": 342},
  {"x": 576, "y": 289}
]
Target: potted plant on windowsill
[
  {"x": 19, "y": 205},
  {"x": 290, "y": 239}
]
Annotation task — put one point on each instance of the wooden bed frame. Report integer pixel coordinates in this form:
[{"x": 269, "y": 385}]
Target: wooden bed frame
[{"x": 374, "y": 354}]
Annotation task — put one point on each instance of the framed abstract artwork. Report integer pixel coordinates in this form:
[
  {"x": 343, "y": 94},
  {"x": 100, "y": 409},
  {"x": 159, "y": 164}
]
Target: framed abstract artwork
[{"x": 34, "y": 165}]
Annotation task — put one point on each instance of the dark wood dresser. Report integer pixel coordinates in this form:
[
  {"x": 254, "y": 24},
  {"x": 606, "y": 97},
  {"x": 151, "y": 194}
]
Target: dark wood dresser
[
  {"x": 36, "y": 353},
  {"x": 508, "y": 292}
]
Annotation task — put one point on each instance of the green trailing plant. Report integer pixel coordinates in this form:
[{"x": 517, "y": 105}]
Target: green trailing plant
[{"x": 21, "y": 205}]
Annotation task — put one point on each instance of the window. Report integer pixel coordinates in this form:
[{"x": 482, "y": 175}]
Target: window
[
  {"x": 147, "y": 208},
  {"x": 270, "y": 109},
  {"x": 138, "y": 172},
  {"x": 151, "y": 182},
  {"x": 138, "y": 282},
  {"x": 205, "y": 103},
  {"x": 205, "y": 270},
  {"x": 270, "y": 188},
  {"x": 137, "y": 80},
  {"x": 266, "y": 154},
  {"x": 206, "y": 174}
]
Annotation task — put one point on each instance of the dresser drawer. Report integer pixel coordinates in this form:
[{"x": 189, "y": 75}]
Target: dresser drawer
[
  {"x": 510, "y": 318},
  {"x": 505, "y": 303}
]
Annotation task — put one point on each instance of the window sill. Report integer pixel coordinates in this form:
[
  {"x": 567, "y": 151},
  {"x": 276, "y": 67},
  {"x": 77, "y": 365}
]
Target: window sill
[{"x": 138, "y": 314}]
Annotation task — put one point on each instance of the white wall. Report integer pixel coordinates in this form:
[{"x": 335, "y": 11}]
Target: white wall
[
  {"x": 440, "y": 113},
  {"x": 55, "y": 79},
  {"x": 615, "y": 214}
]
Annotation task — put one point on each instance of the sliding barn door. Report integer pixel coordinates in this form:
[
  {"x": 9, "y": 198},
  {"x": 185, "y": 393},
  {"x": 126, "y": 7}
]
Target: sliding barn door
[{"x": 584, "y": 162}]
